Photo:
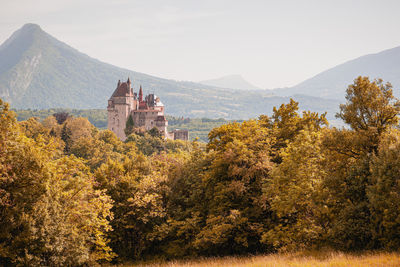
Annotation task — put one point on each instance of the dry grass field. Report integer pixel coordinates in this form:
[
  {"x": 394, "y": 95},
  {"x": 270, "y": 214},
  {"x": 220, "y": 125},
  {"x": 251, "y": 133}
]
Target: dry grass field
[{"x": 293, "y": 260}]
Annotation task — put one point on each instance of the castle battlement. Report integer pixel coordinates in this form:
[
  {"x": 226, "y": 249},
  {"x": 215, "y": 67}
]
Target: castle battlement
[{"x": 147, "y": 112}]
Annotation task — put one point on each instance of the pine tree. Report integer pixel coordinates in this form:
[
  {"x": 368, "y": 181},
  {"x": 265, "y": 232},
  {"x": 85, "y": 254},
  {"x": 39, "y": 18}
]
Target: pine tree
[{"x": 129, "y": 126}]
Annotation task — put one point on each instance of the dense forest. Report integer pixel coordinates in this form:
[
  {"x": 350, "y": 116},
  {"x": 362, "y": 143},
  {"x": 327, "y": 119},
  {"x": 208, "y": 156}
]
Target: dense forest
[
  {"x": 71, "y": 194},
  {"x": 198, "y": 127}
]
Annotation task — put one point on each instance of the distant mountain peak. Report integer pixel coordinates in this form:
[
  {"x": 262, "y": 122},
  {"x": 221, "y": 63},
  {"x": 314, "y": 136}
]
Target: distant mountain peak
[
  {"x": 234, "y": 81},
  {"x": 31, "y": 26},
  {"x": 29, "y": 29}
]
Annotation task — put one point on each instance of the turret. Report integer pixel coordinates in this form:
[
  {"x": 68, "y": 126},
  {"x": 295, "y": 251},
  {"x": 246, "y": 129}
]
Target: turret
[{"x": 140, "y": 94}]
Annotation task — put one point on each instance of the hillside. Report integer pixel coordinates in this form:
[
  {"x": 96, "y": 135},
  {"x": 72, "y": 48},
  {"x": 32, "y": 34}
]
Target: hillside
[
  {"x": 332, "y": 83},
  {"x": 232, "y": 82},
  {"x": 39, "y": 72}
]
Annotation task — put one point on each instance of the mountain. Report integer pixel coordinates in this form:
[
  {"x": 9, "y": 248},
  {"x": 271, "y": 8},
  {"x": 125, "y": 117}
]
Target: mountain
[
  {"x": 232, "y": 82},
  {"x": 37, "y": 71},
  {"x": 333, "y": 83}
]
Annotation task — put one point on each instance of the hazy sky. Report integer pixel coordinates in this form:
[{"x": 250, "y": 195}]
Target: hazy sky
[{"x": 270, "y": 43}]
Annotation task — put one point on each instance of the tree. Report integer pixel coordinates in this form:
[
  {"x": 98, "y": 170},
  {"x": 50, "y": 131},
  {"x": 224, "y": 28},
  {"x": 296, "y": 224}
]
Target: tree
[
  {"x": 61, "y": 117},
  {"x": 384, "y": 192},
  {"x": 155, "y": 132},
  {"x": 136, "y": 192},
  {"x": 185, "y": 204},
  {"x": 66, "y": 136},
  {"x": 33, "y": 128},
  {"x": 71, "y": 219},
  {"x": 286, "y": 123},
  {"x": 294, "y": 191},
  {"x": 52, "y": 125},
  {"x": 50, "y": 213},
  {"x": 129, "y": 126},
  {"x": 237, "y": 214},
  {"x": 371, "y": 109}
]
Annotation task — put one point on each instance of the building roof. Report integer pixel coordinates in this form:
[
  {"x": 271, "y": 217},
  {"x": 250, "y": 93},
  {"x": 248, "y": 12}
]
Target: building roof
[
  {"x": 143, "y": 105},
  {"x": 122, "y": 90}
]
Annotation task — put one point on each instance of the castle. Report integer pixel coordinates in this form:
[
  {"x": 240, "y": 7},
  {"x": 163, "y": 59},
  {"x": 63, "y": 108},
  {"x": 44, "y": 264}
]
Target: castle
[{"x": 147, "y": 112}]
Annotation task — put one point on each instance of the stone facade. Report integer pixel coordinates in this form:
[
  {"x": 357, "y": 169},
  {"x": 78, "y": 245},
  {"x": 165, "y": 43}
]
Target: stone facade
[
  {"x": 147, "y": 112},
  {"x": 180, "y": 134}
]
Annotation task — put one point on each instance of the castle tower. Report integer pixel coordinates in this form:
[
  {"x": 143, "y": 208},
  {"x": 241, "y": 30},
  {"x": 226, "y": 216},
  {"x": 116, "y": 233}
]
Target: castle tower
[
  {"x": 140, "y": 94},
  {"x": 147, "y": 112},
  {"x": 119, "y": 108}
]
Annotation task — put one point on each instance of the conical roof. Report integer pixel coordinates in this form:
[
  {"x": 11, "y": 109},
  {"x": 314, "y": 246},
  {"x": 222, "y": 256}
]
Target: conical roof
[{"x": 122, "y": 90}]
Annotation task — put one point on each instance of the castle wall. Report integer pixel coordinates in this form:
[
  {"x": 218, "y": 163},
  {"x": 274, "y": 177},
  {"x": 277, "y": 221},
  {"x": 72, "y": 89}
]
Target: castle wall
[
  {"x": 181, "y": 134},
  {"x": 145, "y": 118}
]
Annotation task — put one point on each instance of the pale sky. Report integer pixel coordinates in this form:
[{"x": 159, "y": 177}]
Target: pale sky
[{"x": 270, "y": 43}]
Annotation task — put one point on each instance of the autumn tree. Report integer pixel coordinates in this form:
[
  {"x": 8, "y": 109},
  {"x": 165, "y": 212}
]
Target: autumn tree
[
  {"x": 236, "y": 212},
  {"x": 71, "y": 219},
  {"x": 384, "y": 192},
  {"x": 370, "y": 110},
  {"x": 185, "y": 204},
  {"x": 50, "y": 212},
  {"x": 147, "y": 144},
  {"x": 136, "y": 190},
  {"x": 294, "y": 191},
  {"x": 286, "y": 123}
]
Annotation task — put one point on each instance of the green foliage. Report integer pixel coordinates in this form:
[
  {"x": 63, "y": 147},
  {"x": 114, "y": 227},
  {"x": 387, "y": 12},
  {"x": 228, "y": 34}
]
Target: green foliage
[
  {"x": 152, "y": 142},
  {"x": 129, "y": 126},
  {"x": 97, "y": 117}
]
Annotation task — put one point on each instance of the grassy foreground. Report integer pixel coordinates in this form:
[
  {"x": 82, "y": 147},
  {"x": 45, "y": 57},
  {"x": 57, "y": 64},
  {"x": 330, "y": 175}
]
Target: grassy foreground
[{"x": 293, "y": 259}]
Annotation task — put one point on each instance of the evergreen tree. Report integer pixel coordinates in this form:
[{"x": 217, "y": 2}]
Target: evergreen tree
[
  {"x": 129, "y": 126},
  {"x": 66, "y": 136}
]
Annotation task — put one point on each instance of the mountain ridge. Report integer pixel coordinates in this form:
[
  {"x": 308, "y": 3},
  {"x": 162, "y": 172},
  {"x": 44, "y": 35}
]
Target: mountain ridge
[
  {"x": 333, "y": 82},
  {"x": 231, "y": 82}
]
